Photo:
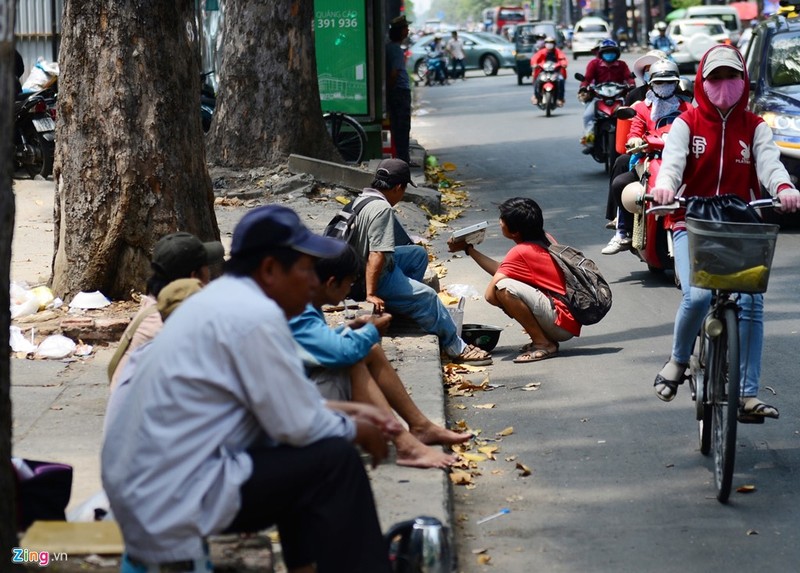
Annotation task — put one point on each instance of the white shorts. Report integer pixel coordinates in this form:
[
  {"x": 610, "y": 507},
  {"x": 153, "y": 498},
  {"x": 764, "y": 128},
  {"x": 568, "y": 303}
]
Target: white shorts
[{"x": 540, "y": 304}]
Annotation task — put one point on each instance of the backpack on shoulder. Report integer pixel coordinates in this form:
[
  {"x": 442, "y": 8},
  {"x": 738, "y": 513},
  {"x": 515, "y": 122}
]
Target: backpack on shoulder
[
  {"x": 588, "y": 295},
  {"x": 341, "y": 226}
]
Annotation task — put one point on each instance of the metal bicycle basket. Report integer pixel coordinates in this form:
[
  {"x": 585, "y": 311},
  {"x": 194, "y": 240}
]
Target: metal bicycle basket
[{"x": 733, "y": 257}]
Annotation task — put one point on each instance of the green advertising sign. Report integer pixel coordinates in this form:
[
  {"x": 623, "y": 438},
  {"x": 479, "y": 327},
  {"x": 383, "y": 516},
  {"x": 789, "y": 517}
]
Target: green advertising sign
[{"x": 340, "y": 35}]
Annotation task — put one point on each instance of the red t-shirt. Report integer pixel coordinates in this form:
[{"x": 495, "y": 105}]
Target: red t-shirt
[{"x": 532, "y": 264}]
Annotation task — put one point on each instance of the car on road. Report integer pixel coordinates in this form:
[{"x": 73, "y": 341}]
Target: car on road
[
  {"x": 587, "y": 33},
  {"x": 527, "y": 39},
  {"x": 773, "y": 64},
  {"x": 693, "y": 37},
  {"x": 482, "y": 51}
]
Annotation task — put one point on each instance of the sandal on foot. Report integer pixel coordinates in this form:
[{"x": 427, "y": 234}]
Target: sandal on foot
[
  {"x": 662, "y": 384},
  {"x": 752, "y": 406},
  {"x": 474, "y": 356},
  {"x": 535, "y": 355}
]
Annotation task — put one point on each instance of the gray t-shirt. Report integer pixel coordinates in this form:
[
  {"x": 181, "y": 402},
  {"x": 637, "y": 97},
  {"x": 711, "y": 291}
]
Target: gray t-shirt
[{"x": 374, "y": 228}]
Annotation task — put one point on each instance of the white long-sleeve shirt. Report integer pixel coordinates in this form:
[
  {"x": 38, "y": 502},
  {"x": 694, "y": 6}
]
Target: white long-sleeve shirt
[{"x": 223, "y": 374}]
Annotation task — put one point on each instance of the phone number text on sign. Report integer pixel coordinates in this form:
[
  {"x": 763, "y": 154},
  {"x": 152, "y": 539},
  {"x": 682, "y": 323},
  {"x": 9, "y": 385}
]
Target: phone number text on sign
[{"x": 337, "y": 23}]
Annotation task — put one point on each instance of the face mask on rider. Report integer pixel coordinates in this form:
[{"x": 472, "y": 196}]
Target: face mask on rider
[
  {"x": 724, "y": 93},
  {"x": 664, "y": 90},
  {"x": 609, "y": 57},
  {"x": 549, "y": 45}
]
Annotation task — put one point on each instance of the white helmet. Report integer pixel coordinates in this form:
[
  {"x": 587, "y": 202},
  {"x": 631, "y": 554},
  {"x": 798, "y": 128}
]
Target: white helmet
[
  {"x": 631, "y": 197},
  {"x": 664, "y": 71}
]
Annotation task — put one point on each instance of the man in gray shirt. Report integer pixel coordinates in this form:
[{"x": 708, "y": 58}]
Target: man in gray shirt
[{"x": 222, "y": 431}]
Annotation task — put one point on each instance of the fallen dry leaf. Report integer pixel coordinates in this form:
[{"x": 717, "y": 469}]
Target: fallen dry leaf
[
  {"x": 461, "y": 406},
  {"x": 483, "y": 406},
  {"x": 489, "y": 451},
  {"x": 507, "y": 432},
  {"x": 752, "y": 532},
  {"x": 479, "y": 551},
  {"x": 531, "y": 386},
  {"x": 511, "y": 458},
  {"x": 483, "y": 559},
  {"x": 474, "y": 457},
  {"x": 524, "y": 470},
  {"x": 460, "y": 477},
  {"x": 746, "y": 489}
]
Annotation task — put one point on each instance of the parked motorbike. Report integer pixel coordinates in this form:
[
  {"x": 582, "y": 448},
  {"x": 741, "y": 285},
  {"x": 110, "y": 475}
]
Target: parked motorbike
[
  {"x": 208, "y": 100},
  {"x": 546, "y": 85},
  {"x": 607, "y": 98},
  {"x": 34, "y": 133},
  {"x": 651, "y": 241}
]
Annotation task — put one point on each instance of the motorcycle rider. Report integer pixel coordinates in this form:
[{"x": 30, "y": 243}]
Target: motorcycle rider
[
  {"x": 660, "y": 101},
  {"x": 606, "y": 67},
  {"x": 662, "y": 41},
  {"x": 438, "y": 60},
  {"x": 548, "y": 53}
]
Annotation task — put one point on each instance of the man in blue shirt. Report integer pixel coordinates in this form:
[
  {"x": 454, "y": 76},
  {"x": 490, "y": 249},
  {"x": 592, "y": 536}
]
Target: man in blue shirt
[{"x": 398, "y": 88}]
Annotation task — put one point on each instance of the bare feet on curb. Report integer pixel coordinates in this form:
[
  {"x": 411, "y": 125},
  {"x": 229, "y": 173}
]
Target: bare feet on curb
[
  {"x": 413, "y": 453},
  {"x": 436, "y": 435}
]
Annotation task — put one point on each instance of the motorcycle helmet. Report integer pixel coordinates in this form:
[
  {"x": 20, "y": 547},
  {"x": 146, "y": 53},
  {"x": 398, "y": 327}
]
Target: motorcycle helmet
[
  {"x": 631, "y": 197},
  {"x": 608, "y": 50},
  {"x": 642, "y": 65},
  {"x": 664, "y": 71}
]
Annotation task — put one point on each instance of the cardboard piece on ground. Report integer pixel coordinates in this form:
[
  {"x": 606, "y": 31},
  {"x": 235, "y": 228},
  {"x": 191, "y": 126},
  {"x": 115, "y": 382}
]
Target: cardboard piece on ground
[{"x": 75, "y": 538}]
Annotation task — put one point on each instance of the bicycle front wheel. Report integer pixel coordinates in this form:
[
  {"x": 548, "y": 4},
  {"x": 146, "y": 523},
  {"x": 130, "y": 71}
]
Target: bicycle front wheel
[
  {"x": 724, "y": 387},
  {"x": 348, "y": 136}
]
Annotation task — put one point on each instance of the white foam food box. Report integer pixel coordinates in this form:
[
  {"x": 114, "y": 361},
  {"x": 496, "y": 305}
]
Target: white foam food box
[{"x": 473, "y": 235}]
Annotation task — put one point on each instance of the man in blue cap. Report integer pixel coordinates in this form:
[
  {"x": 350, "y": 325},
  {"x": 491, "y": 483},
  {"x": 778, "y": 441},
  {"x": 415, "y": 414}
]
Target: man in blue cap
[{"x": 223, "y": 431}]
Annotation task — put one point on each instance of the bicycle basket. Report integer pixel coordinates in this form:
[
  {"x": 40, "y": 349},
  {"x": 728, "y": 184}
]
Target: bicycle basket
[{"x": 734, "y": 257}]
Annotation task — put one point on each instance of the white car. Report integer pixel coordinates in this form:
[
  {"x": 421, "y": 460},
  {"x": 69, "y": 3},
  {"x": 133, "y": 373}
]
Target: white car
[
  {"x": 694, "y": 37},
  {"x": 588, "y": 32}
]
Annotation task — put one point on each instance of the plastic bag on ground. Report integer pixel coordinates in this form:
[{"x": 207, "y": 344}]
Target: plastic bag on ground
[
  {"x": 462, "y": 290},
  {"x": 18, "y": 342},
  {"x": 55, "y": 346}
]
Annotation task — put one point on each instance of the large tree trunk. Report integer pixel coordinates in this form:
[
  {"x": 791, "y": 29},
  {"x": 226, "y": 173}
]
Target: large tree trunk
[
  {"x": 268, "y": 104},
  {"x": 8, "y": 530},
  {"x": 130, "y": 162}
]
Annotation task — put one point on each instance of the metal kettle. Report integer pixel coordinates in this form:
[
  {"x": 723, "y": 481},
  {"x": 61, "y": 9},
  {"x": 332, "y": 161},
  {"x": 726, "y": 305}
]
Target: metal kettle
[{"x": 420, "y": 545}]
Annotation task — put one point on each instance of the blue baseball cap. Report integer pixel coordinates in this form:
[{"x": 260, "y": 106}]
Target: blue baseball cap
[{"x": 272, "y": 226}]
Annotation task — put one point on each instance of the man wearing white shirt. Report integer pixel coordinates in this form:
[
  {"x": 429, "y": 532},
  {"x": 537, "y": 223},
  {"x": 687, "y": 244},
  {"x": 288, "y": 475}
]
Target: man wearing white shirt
[
  {"x": 455, "y": 48},
  {"x": 222, "y": 431}
]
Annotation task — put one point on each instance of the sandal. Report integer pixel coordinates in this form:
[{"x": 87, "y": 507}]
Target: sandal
[
  {"x": 752, "y": 406},
  {"x": 474, "y": 356},
  {"x": 671, "y": 386},
  {"x": 535, "y": 355}
]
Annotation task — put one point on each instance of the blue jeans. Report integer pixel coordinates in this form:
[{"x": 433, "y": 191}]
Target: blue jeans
[
  {"x": 693, "y": 309},
  {"x": 402, "y": 289}
]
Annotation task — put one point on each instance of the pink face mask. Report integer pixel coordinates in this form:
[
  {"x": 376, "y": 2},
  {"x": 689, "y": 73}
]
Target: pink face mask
[{"x": 724, "y": 93}]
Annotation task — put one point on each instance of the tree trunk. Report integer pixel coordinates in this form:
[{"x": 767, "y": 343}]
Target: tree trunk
[
  {"x": 8, "y": 530},
  {"x": 268, "y": 103},
  {"x": 130, "y": 161}
]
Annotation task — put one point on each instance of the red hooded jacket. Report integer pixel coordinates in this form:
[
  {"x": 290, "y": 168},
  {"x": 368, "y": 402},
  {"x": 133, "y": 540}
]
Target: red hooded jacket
[{"x": 598, "y": 71}]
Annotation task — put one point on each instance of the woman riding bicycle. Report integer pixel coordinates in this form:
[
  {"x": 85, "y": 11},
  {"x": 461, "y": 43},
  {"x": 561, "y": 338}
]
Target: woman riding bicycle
[{"x": 719, "y": 148}]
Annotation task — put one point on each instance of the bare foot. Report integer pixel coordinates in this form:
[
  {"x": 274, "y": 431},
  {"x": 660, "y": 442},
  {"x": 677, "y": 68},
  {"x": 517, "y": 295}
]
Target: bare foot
[
  {"x": 433, "y": 434},
  {"x": 413, "y": 453}
]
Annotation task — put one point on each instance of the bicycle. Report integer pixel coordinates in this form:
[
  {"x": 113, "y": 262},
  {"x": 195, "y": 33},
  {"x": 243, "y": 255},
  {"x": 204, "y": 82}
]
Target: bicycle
[
  {"x": 714, "y": 369},
  {"x": 348, "y": 136}
]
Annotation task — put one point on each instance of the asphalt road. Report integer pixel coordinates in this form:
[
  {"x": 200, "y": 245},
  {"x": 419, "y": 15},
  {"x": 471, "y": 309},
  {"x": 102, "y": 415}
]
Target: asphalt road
[{"x": 618, "y": 482}]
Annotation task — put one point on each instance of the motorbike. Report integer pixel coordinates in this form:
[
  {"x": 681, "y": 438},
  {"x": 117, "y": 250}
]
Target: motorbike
[
  {"x": 607, "y": 98},
  {"x": 34, "y": 132},
  {"x": 208, "y": 101},
  {"x": 546, "y": 85},
  {"x": 651, "y": 241},
  {"x": 435, "y": 69}
]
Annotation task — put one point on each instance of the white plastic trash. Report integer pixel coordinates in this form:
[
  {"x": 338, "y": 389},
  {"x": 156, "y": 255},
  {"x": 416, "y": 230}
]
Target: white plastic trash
[
  {"x": 18, "y": 342},
  {"x": 457, "y": 313},
  {"x": 89, "y": 300},
  {"x": 56, "y": 346}
]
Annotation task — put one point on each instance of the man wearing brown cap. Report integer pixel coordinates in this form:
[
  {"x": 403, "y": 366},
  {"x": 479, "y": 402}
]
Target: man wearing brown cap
[
  {"x": 398, "y": 88},
  {"x": 395, "y": 267},
  {"x": 223, "y": 431},
  {"x": 175, "y": 256}
]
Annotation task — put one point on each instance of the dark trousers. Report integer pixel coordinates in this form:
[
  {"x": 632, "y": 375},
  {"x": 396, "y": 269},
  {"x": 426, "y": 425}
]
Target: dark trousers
[
  {"x": 460, "y": 64},
  {"x": 320, "y": 498},
  {"x": 399, "y": 103},
  {"x": 620, "y": 167},
  {"x": 618, "y": 183}
]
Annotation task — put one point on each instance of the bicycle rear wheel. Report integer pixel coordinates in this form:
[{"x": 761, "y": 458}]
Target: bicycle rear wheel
[
  {"x": 348, "y": 136},
  {"x": 723, "y": 383},
  {"x": 697, "y": 378}
]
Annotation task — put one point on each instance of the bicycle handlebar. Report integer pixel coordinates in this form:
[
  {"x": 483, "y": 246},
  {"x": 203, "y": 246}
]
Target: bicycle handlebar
[{"x": 680, "y": 202}]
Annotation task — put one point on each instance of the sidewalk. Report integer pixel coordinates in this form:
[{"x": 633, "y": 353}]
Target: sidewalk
[{"x": 58, "y": 407}]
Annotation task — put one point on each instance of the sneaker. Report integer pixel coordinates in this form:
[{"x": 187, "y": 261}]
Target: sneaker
[{"x": 617, "y": 244}]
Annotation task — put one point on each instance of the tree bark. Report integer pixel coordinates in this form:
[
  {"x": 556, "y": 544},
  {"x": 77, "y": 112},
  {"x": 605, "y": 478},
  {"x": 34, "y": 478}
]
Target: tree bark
[
  {"x": 130, "y": 161},
  {"x": 268, "y": 104},
  {"x": 8, "y": 530}
]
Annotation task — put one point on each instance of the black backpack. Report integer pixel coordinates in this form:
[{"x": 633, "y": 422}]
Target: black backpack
[
  {"x": 588, "y": 294},
  {"x": 341, "y": 226}
]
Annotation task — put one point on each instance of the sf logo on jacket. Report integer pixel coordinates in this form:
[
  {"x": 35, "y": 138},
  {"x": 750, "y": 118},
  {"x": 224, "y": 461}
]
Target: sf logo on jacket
[{"x": 698, "y": 146}]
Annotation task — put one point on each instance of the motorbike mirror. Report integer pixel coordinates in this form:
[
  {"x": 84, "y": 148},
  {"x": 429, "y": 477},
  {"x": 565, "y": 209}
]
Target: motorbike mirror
[
  {"x": 625, "y": 113},
  {"x": 580, "y": 77}
]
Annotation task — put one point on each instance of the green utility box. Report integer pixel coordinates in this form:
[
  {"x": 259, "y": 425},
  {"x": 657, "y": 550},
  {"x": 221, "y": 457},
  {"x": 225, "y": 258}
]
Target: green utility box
[{"x": 349, "y": 38}]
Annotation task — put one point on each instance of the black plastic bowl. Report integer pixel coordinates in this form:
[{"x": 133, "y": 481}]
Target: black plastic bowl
[{"x": 483, "y": 336}]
